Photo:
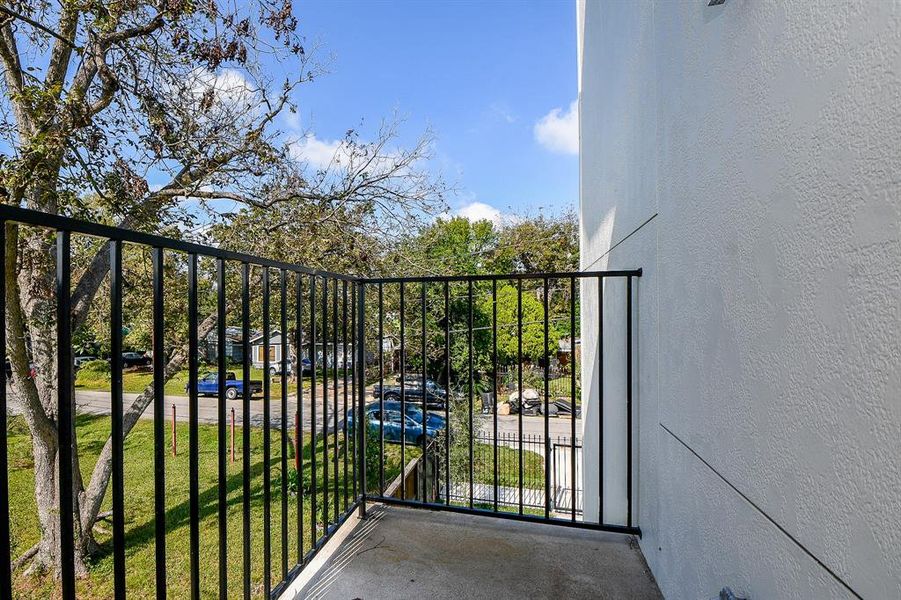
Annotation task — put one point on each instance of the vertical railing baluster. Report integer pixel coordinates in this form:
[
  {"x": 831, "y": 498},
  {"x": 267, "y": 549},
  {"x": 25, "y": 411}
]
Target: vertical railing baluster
[
  {"x": 572, "y": 389},
  {"x": 335, "y": 397},
  {"x": 447, "y": 391},
  {"x": 425, "y": 456},
  {"x": 470, "y": 379},
  {"x": 361, "y": 401},
  {"x": 283, "y": 280},
  {"x": 522, "y": 402},
  {"x": 345, "y": 441},
  {"x": 65, "y": 416},
  {"x": 325, "y": 364},
  {"x": 381, "y": 392},
  {"x": 314, "y": 498},
  {"x": 354, "y": 366},
  {"x": 6, "y": 578},
  {"x": 221, "y": 377},
  {"x": 629, "y": 400},
  {"x": 547, "y": 405},
  {"x": 403, "y": 396},
  {"x": 494, "y": 384},
  {"x": 298, "y": 340},
  {"x": 117, "y": 433},
  {"x": 600, "y": 361},
  {"x": 267, "y": 472},
  {"x": 159, "y": 440},
  {"x": 245, "y": 425},
  {"x": 193, "y": 442}
]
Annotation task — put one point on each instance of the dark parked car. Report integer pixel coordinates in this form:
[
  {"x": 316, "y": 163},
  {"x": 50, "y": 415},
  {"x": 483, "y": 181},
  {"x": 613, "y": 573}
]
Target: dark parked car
[
  {"x": 435, "y": 397},
  {"x": 81, "y": 360},
  {"x": 208, "y": 385},
  {"x": 390, "y": 421},
  {"x": 413, "y": 411},
  {"x": 135, "y": 359}
]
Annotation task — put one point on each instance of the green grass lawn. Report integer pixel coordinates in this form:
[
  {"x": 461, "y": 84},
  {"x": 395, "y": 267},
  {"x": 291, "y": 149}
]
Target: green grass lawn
[
  {"x": 92, "y": 432},
  {"x": 508, "y": 473},
  {"x": 508, "y": 466}
]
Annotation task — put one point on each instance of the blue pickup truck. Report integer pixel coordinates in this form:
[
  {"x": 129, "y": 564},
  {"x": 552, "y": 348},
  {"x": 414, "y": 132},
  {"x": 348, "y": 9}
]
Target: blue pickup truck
[{"x": 208, "y": 385}]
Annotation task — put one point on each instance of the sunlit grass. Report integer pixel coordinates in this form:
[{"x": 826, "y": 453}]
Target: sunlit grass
[{"x": 92, "y": 432}]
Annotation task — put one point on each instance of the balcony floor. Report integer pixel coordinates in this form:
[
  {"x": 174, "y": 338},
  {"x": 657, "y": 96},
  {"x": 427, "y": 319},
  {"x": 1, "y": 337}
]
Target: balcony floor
[{"x": 410, "y": 553}]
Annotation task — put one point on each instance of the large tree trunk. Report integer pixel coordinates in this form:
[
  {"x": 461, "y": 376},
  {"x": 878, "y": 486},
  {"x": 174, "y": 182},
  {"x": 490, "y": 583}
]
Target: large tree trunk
[
  {"x": 31, "y": 334},
  {"x": 100, "y": 477},
  {"x": 29, "y": 273},
  {"x": 46, "y": 492}
]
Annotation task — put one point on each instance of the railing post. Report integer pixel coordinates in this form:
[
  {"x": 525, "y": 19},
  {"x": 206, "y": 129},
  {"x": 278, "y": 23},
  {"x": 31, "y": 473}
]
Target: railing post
[
  {"x": 193, "y": 440},
  {"x": 117, "y": 434},
  {"x": 360, "y": 420},
  {"x": 221, "y": 376},
  {"x": 628, "y": 401},
  {"x": 245, "y": 427},
  {"x": 6, "y": 574},
  {"x": 159, "y": 423},
  {"x": 65, "y": 418}
]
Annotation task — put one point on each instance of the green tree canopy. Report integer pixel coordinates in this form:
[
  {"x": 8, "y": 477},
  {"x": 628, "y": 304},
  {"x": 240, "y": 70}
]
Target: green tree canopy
[{"x": 533, "y": 345}]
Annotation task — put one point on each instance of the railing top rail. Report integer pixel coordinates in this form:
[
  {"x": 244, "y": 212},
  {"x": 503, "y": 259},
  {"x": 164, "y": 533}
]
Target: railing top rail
[
  {"x": 506, "y": 276},
  {"x": 58, "y": 222},
  {"x": 51, "y": 221}
]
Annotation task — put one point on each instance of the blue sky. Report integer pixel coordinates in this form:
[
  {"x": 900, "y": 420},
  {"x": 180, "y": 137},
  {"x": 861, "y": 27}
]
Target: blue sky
[{"x": 481, "y": 74}]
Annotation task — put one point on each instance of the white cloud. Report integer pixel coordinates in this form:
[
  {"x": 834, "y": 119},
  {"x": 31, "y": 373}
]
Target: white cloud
[
  {"x": 558, "y": 131},
  {"x": 230, "y": 87},
  {"x": 291, "y": 119},
  {"x": 319, "y": 154},
  {"x": 479, "y": 211},
  {"x": 348, "y": 155}
]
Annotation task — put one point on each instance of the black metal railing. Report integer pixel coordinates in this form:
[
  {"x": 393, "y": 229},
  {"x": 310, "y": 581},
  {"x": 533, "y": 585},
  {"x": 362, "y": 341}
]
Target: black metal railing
[
  {"x": 463, "y": 350},
  {"x": 327, "y": 327},
  {"x": 470, "y": 348}
]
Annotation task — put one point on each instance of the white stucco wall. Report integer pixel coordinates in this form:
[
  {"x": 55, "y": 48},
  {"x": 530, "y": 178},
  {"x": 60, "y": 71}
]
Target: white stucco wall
[{"x": 748, "y": 158}]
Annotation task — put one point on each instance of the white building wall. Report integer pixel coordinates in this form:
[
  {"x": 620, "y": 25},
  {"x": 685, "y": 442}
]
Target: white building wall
[{"x": 748, "y": 158}]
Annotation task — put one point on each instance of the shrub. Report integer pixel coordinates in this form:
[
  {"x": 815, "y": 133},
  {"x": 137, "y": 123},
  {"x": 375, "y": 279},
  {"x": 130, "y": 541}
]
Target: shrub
[{"x": 95, "y": 368}]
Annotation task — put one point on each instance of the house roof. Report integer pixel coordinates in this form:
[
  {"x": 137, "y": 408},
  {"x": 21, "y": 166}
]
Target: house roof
[
  {"x": 233, "y": 334},
  {"x": 275, "y": 337}
]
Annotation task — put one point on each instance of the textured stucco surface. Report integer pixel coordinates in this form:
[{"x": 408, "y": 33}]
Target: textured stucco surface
[{"x": 755, "y": 148}]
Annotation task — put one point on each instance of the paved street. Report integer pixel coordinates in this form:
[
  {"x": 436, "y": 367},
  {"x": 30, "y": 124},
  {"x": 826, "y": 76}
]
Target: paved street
[
  {"x": 98, "y": 402},
  {"x": 557, "y": 426},
  {"x": 95, "y": 402}
]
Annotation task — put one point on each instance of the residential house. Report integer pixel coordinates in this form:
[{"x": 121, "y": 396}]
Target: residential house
[
  {"x": 234, "y": 349},
  {"x": 258, "y": 350}
]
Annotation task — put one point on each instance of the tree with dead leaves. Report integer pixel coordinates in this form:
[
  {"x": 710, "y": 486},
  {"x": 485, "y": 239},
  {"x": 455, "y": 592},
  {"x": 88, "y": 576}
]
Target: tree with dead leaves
[{"x": 99, "y": 99}]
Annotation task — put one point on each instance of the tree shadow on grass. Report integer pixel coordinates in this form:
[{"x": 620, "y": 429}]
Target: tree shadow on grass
[{"x": 179, "y": 515}]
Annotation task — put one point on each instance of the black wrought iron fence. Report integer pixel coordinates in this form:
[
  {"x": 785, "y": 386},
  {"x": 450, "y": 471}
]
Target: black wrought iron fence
[
  {"x": 319, "y": 307},
  {"x": 484, "y": 365},
  {"x": 443, "y": 355},
  {"x": 502, "y": 492}
]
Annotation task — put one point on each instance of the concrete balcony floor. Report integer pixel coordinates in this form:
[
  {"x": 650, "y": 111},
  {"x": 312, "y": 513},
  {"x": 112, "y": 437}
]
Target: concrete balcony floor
[{"x": 412, "y": 553}]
